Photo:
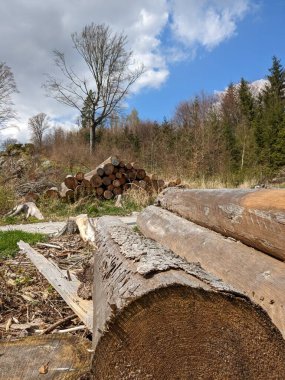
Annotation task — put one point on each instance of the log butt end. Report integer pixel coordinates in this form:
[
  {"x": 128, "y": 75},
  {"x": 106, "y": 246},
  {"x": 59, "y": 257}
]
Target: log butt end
[{"x": 183, "y": 332}]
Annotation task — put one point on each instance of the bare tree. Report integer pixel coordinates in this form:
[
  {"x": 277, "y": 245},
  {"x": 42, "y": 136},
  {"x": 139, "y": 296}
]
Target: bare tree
[
  {"x": 7, "y": 88},
  {"x": 38, "y": 124},
  {"x": 110, "y": 75}
]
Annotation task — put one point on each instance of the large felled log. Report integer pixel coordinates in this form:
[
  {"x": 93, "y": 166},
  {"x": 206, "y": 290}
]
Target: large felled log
[
  {"x": 158, "y": 317},
  {"x": 257, "y": 275},
  {"x": 255, "y": 217}
]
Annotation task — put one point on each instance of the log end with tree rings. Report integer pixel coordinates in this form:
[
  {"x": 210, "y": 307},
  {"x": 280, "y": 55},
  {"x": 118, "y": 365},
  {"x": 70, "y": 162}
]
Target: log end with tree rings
[
  {"x": 159, "y": 317},
  {"x": 183, "y": 333}
]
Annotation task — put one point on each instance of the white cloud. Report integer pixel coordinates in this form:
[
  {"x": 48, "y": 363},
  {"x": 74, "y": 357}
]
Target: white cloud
[
  {"x": 206, "y": 22},
  {"x": 30, "y": 30}
]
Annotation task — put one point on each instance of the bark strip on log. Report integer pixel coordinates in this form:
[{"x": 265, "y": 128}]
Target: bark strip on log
[
  {"x": 255, "y": 217},
  {"x": 155, "y": 314},
  {"x": 259, "y": 276}
]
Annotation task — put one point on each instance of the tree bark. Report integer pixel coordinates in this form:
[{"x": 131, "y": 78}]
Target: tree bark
[
  {"x": 155, "y": 314},
  {"x": 255, "y": 217}
]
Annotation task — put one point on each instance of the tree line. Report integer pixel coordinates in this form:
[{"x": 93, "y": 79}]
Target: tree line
[{"x": 234, "y": 135}]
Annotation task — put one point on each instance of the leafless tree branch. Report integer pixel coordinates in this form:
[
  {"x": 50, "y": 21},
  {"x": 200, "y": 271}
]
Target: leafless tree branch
[{"x": 109, "y": 64}]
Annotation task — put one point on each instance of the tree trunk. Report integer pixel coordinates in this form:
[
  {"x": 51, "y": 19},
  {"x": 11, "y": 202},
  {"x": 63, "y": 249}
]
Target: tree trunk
[
  {"x": 92, "y": 130},
  {"x": 255, "y": 217},
  {"x": 259, "y": 276},
  {"x": 156, "y": 315}
]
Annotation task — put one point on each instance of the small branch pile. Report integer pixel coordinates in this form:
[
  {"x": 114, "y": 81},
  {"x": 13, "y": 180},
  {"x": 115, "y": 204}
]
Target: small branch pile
[{"x": 109, "y": 179}]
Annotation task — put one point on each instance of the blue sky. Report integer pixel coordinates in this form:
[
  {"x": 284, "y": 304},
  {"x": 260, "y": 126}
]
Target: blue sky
[
  {"x": 187, "y": 46},
  {"x": 248, "y": 54}
]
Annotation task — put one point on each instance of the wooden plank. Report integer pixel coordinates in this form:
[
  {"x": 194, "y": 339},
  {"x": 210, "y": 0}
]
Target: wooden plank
[
  {"x": 254, "y": 216},
  {"x": 58, "y": 279},
  {"x": 65, "y": 357},
  {"x": 259, "y": 276},
  {"x": 157, "y": 314}
]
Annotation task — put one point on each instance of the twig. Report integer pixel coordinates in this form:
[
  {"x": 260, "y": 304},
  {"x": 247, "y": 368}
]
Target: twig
[
  {"x": 49, "y": 245},
  {"x": 58, "y": 323},
  {"x": 76, "y": 328}
]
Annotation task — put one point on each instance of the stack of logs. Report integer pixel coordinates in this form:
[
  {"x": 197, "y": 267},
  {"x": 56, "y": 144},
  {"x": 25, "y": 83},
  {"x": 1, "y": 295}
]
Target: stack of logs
[{"x": 111, "y": 178}]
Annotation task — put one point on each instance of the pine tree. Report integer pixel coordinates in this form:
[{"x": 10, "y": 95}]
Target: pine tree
[{"x": 271, "y": 122}]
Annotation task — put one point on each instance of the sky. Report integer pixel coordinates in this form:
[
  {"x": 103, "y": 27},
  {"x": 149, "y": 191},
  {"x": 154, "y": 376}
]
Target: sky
[{"x": 186, "y": 46}]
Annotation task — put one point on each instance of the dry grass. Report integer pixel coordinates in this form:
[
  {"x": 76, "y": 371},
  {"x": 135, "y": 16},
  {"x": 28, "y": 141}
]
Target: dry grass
[
  {"x": 139, "y": 198},
  {"x": 7, "y": 199}
]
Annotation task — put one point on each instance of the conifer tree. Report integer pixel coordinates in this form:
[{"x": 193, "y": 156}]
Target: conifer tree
[{"x": 270, "y": 128}]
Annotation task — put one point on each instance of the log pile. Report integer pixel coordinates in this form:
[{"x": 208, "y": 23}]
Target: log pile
[
  {"x": 108, "y": 180},
  {"x": 236, "y": 234}
]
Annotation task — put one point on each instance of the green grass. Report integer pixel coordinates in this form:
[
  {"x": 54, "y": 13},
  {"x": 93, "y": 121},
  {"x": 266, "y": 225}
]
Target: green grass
[{"x": 9, "y": 239}]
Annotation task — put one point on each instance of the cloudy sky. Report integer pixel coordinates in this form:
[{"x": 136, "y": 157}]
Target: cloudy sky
[{"x": 186, "y": 46}]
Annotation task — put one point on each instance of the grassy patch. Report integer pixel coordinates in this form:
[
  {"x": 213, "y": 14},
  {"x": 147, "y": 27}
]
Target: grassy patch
[
  {"x": 133, "y": 200},
  {"x": 9, "y": 239}
]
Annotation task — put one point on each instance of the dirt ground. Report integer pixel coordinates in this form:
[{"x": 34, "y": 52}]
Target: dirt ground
[{"x": 28, "y": 303}]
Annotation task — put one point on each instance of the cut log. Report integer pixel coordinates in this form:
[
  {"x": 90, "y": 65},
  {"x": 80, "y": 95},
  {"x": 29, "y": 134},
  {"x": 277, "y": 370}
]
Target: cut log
[
  {"x": 136, "y": 165},
  {"x": 156, "y": 315},
  {"x": 259, "y": 276},
  {"x": 79, "y": 176},
  {"x": 131, "y": 174},
  {"x": 71, "y": 182},
  {"x": 31, "y": 196},
  {"x": 110, "y": 187},
  {"x": 112, "y": 176},
  {"x": 66, "y": 193},
  {"x": 255, "y": 217},
  {"x": 117, "y": 191},
  {"x": 52, "y": 193},
  {"x": 141, "y": 174},
  {"x": 96, "y": 181},
  {"x": 106, "y": 181},
  {"x": 116, "y": 183},
  {"x": 99, "y": 169},
  {"x": 80, "y": 191},
  {"x": 129, "y": 166},
  {"x": 100, "y": 191},
  {"x": 122, "y": 180},
  {"x": 108, "y": 194},
  {"x": 62, "y": 356},
  {"x": 100, "y": 172},
  {"x": 108, "y": 169}
]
